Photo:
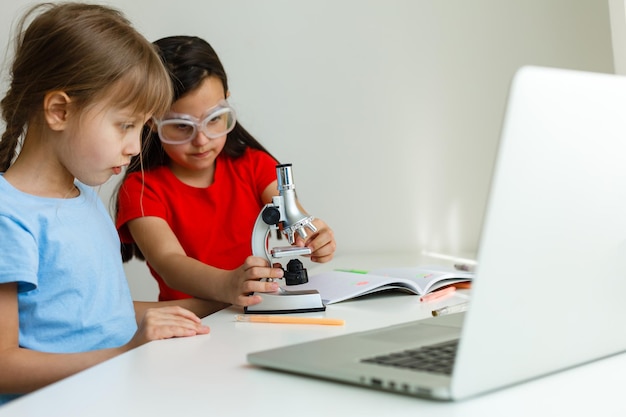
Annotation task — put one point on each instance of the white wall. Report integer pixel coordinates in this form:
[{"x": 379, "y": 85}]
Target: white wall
[{"x": 389, "y": 110}]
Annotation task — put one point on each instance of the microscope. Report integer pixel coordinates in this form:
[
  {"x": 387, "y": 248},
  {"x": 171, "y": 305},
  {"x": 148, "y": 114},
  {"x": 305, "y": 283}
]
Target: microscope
[{"x": 284, "y": 215}]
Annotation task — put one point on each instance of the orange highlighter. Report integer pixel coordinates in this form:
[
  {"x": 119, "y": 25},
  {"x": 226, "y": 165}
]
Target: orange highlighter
[{"x": 435, "y": 295}]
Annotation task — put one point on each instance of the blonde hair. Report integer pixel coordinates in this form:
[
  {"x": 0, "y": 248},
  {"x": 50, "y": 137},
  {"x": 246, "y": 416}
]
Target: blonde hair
[{"x": 92, "y": 53}]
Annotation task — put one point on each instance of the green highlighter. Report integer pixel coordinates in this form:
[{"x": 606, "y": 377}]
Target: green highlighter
[{"x": 354, "y": 271}]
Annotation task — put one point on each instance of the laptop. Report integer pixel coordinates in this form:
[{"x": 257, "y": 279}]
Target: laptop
[{"x": 551, "y": 273}]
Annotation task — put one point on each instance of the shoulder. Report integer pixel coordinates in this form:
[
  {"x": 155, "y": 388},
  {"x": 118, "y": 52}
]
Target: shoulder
[
  {"x": 256, "y": 159},
  {"x": 261, "y": 167},
  {"x": 17, "y": 204},
  {"x": 257, "y": 154},
  {"x": 252, "y": 160}
]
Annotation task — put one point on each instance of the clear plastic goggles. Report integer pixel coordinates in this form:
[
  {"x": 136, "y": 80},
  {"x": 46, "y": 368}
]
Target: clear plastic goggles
[{"x": 176, "y": 129}]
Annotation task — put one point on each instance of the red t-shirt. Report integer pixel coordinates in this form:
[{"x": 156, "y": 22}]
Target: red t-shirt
[{"x": 214, "y": 224}]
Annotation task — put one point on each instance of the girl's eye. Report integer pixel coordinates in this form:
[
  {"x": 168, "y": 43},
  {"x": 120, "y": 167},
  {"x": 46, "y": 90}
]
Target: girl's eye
[
  {"x": 127, "y": 126},
  {"x": 216, "y": 119},
  {"x": 183, "y": 127}
]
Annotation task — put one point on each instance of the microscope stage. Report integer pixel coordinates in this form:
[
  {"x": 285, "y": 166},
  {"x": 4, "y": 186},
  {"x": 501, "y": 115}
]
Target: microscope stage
[{"x": 285, "y": 301}]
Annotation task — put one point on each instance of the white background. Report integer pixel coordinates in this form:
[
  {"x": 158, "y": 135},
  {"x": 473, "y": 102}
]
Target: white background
[{"x": 389, "y": 110}]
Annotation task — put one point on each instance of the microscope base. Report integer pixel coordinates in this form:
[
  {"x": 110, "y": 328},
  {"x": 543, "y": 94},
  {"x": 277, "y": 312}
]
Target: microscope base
[{"x": 285, "y": 301}]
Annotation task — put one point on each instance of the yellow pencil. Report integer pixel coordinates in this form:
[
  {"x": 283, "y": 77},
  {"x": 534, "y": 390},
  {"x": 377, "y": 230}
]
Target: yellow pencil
[{"x": 289, "y": 319}]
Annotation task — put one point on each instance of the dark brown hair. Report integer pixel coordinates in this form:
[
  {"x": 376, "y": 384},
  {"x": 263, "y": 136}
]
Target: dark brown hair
[{"x": 190, "y": 60}]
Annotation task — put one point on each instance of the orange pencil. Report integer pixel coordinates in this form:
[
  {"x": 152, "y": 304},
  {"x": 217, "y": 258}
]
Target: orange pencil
[
  {"x": 463, "y": 285},
  {"x": 289, "y": 320},
  {"x": 435, "y": 295}
]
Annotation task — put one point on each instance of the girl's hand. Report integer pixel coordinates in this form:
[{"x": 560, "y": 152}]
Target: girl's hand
[
  {"x": 322, "y": 243},
  {"x": 167, "y": 322},
  {"x": 246, "y": 280}
]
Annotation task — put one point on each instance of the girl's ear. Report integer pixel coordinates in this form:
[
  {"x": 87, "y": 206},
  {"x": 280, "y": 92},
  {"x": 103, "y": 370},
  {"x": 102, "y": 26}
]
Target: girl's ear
[{"x": 56, "y": 106}]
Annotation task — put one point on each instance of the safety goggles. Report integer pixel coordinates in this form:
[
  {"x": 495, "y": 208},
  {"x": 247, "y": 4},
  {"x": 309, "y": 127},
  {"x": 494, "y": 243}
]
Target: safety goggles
[{"x": 176, "y": 129}]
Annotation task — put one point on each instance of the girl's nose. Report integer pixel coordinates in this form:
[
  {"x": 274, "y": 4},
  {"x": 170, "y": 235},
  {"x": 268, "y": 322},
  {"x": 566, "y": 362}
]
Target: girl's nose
[
  {"x": 134, "y": 147},
  {"x": 200, "y": 139}
]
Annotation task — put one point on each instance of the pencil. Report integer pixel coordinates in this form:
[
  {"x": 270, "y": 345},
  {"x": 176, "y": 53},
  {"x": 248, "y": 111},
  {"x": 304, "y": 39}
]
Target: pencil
[
  {"x": 457, "y": 308},
  {"x": 289, "y": 320}
]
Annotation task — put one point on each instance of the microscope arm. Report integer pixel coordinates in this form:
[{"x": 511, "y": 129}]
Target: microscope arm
[{"x": 262, "y": 229}]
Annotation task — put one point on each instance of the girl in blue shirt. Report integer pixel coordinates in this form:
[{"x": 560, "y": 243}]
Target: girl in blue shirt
[{"x": 83, "y": 84}]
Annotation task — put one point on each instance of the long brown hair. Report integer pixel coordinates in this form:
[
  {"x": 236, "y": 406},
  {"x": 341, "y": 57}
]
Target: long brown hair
[{"x": 91, "y": 52}]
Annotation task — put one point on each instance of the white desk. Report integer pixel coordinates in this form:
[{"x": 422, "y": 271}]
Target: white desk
[{"x": 209, "y": 376}]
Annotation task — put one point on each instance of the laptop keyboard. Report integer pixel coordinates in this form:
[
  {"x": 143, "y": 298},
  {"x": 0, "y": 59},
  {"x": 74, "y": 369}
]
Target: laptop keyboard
[{"x": 437, "y": 358}]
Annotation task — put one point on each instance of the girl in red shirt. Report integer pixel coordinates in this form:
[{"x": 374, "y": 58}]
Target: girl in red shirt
[{"x": 188, "y": 202}]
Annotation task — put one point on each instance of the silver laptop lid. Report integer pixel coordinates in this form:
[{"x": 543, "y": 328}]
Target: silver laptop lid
[
  {"x": 554, "y": 237},
  {"x": 548, "y": 288}
]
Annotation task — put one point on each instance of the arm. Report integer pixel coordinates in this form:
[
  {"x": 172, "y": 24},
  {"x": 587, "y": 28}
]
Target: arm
[
  {"x": 165, "y": 254},
  {"x": 322, "y": 243},
  {"x": 24, "y": 370}
]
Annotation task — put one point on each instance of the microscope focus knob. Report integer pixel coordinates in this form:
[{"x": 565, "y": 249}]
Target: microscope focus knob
[
  {"x": 270, "y": 215},
  {"x": 296, "y": 273}
]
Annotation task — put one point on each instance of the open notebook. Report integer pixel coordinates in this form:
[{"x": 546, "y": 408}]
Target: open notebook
[
  {"x": 337, "y": 286},
  {"x": 549, "y": 284}
]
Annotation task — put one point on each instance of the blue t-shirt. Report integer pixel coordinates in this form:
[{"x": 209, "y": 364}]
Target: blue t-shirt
[{"x": 64, "y": 255}]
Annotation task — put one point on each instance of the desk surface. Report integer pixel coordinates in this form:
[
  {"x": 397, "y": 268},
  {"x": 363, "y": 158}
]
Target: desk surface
[{"x": 209, "y": 375}]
